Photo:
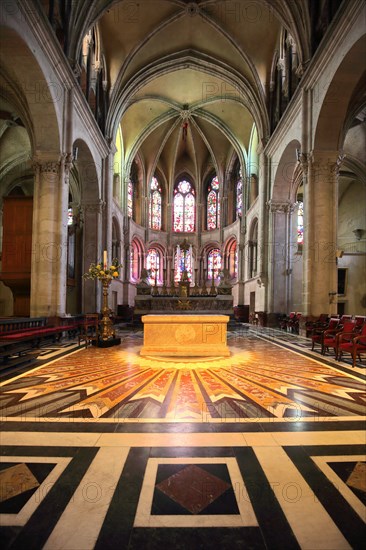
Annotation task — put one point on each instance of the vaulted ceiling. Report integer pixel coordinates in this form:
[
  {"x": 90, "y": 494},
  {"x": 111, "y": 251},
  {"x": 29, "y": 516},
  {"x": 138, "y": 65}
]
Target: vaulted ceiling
[{"x": 189, "y": 79}]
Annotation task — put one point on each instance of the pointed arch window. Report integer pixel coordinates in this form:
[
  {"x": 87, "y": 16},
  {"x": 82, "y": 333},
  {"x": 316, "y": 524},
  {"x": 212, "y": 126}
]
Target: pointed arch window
[
  {"x": 184, "y": 208},
  {"x": 233, "y": 259},
  {"x": 214, "y": 263},
  {"x": 155, "y": 205},
  {"x": 300, "y": 225},
  {"x": 179, "y": 264},
  {"x": 153, "y": 265},
  {"x": 213, "y": 205},
  {"x": 239, "y": 198},
  {"x": 70, "y": 216},
  {"x": 136, "y": 259},
  {"x": 253, "y": 251},
  {"x": 130, "y": 199}
]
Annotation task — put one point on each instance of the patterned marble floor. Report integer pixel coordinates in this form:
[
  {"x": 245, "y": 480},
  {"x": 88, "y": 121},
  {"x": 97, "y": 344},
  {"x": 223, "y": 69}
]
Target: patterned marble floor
[{"x": 101, "y": 448}]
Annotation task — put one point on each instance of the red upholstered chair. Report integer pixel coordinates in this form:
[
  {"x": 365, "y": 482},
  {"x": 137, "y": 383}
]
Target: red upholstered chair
[
  {"x": 331, "y": 338},
  {"x": 321, "y": 322},
  {"x": 354, "y": 345},
  {"x": 345, "y": 318},
  {"x": 285, "y": 322},
  {"x": 318, "y": 332},
  {"x": 359, "y": 346},
  {"x": 360, "y": 320},
  {"x": 293, "y": 322}
]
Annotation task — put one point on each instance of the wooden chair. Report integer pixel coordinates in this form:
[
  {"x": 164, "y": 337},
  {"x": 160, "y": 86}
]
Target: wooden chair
[
  {"x": 287, "y": 320},
  {"x": 359, "y": 347},
  {"x": 331, "y": 338},
  {"x": 318, "y": 332},
  {"x": 360, "y": 320},
  {"x": 355, "y": 345},
  {"x": 89, "y": 329},
  {"x": 321, "y": 322}
]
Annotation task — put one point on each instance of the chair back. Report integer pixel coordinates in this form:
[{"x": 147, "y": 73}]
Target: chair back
[
  {"x": 360, "y": 320},
  {"x": 323, "y": 317},
  {"x": 333, "y": 323},
  {"x": 345, "y": 318},
  {"x": 349, "y": 326}
]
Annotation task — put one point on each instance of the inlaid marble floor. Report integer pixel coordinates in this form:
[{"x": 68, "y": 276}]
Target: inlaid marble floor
[{"x": 104, "y": 449}]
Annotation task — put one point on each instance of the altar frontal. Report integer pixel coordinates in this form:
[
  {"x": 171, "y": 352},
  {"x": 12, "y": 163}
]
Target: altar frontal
[{"x": 185, "y": 335}]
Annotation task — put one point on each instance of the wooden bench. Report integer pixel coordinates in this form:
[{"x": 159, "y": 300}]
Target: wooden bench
[{"x": 16, "y": 353}]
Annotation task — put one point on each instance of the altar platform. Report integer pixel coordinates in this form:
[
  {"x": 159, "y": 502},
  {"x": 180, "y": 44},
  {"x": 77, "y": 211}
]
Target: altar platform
[{"x": 185, "y": 335}]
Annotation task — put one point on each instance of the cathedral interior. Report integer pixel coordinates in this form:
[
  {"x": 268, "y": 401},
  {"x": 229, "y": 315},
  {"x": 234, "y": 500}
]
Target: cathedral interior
[{"x": 173, "y": 158}]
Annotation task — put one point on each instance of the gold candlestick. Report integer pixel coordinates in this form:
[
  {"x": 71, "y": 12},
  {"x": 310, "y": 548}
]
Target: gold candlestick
[
  {"x": 155, "y": 290},
  {"x": 107, "y": 330},
  {"x": 204, "y": 288},
  {"x": 172, "y": 287},
  {"x": 196, "y": 289},
  {"x": 164, "y": 290},
  {"x": 213, "y": 289}
]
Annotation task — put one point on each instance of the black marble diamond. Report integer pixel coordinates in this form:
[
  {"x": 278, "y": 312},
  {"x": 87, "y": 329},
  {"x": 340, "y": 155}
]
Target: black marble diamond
[
  {"x": 14, "y": 504},
  {"x": 190, "y": 489}
]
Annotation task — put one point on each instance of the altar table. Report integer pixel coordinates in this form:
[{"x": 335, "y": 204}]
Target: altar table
[{"x": 185, "y": 335}]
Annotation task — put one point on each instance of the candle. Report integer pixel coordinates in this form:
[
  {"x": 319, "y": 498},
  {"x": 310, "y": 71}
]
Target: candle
[{"x": 105, "y": 259}]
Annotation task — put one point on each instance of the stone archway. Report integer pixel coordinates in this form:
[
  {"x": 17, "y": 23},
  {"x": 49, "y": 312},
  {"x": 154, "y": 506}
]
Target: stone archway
[
  {"x": 37, "y": 99},
  {"x": 92, "y": 207},
  {"x": 326, "y": 163},
  {"x": 284, "y": 289}
]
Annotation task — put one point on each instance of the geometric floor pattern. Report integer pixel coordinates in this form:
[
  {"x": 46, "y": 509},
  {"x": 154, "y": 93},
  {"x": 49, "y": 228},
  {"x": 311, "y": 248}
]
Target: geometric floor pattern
[
  {"x": 101, "y": 449},
  {"x": 260, "y": 380}
]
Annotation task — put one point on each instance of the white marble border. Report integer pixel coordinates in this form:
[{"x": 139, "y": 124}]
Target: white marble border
[
  {"x": 143, "y": 518},
  {"x": 35, "y": 500},
  {"x": 340, "y": 485}
]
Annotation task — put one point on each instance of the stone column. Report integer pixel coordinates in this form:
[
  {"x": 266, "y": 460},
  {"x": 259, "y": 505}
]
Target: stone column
[
  {"x": 279, "y": 281},
  {"x": 262, "y": 230},
  {"x": 320, "y": 235},
  {"x": 108, "y": 198},
  {"x": 49, "y": 236},
  {"x": 92, "y": 247}
]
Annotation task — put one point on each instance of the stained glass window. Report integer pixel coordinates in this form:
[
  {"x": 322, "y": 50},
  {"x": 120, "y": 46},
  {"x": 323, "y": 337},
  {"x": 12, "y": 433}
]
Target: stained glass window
[
  {"x": 179, "y": 265},
  {"x": 213, "y": 205},
  {"x": 136, "y": 256},
  {"x": 153, "y": 265},
  {"x": 233, "y": 259},
  {"x": 132, "y": 262},
  {"x": 214, "y": 263},
  {"x": 70, "y": 217},
  {"x": 300, "y": 223},
  {"x": 130, "y": 199},
  {"x": 184, "y": 208},
  {"x": 239, "y": 198},
  {"x": 155, "y": 205}
]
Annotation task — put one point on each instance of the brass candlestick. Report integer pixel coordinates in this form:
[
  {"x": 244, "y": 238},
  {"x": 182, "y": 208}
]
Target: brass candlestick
[
  {"x": 107, "y": 330},
  {"x": 196, "y": 289},
  {"x": 204, "y": 288},
  {"x": 172, "y": 287},
  {"x": 213, "y": 289},
  {"x": 164, "y": 290},
  {"x": 155, "y": 290}
]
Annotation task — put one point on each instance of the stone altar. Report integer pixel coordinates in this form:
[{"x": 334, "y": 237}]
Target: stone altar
[{"x": 185, "y": 335}]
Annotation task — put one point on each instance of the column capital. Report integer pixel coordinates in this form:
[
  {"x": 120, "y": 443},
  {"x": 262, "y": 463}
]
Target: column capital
[
  {"x": 95, "y": 206},
  {"x": 326, "y": 157},
  {"x": 282, "y": 207},
  {"x": 47, "y": 162},
  {"x": 327, "y": 163}
]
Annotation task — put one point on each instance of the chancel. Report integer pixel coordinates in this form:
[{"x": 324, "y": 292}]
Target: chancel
[{"x": 182, "y": 274}]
